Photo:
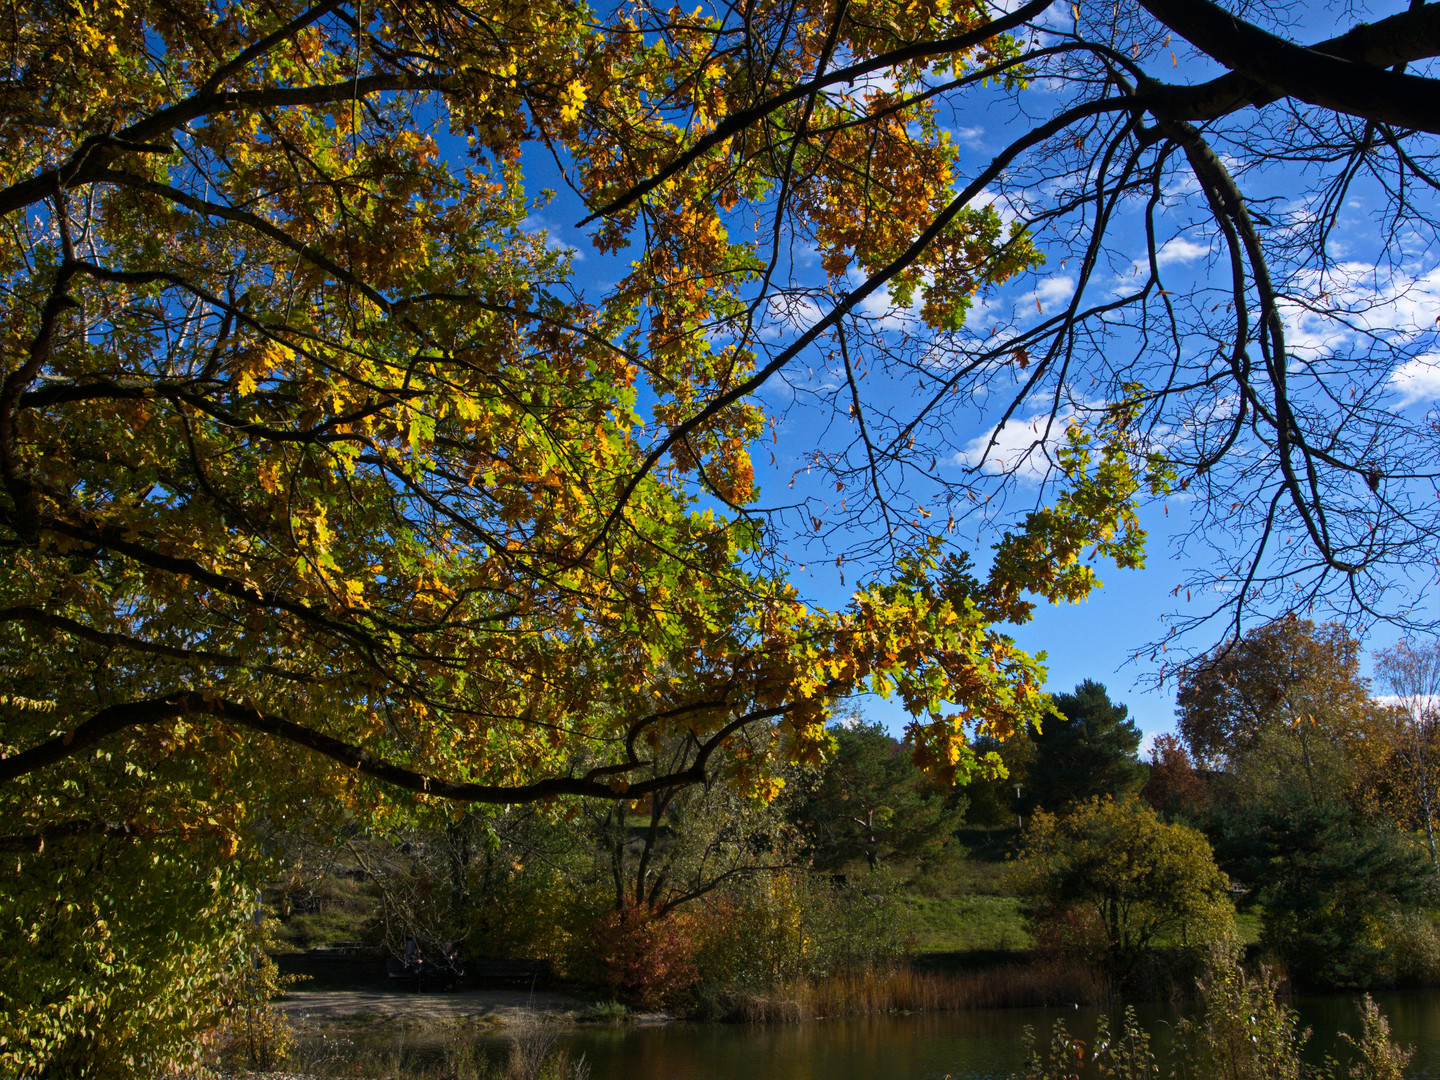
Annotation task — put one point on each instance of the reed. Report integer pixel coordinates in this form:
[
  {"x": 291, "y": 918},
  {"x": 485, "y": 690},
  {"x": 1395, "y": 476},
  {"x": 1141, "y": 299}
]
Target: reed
[
  {"x": 904, "y": 989},
  {"x": 533, "y": 1053}
]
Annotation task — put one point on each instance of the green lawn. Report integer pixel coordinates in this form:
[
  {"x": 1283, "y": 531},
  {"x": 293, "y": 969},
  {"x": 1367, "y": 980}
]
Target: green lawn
[
  {"x": 965, "y": 923},
  {"x": 339, "y": 909},
  {"x": 1247, "y": 927}
]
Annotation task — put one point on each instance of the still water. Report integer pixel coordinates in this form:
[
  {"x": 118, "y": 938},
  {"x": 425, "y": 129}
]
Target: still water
[
  {"x": 985, "y": 1045},
  {"x": 967, "y": 1046}
]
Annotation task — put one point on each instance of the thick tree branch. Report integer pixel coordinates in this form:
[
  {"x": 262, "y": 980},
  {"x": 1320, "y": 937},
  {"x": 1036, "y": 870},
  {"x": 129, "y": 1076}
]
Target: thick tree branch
[
  {"x": 35, "y": 843},
  {"x": 1350, "y": 86},
  {"x": 30, "y": 613},
  {"x": 116, "y": 718}
]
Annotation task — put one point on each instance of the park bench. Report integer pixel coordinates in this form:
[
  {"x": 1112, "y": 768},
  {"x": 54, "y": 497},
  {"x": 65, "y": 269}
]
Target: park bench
[
  {"x": 437, "y": 974},
  {"x": 517, "y": 970}
]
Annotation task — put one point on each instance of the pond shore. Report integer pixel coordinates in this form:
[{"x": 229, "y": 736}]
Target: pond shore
[{"x": 494, "y": 1007}]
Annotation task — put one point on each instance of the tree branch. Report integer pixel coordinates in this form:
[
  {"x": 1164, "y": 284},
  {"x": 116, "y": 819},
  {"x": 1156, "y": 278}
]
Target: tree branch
[
  {"x": 1331, "y": 82},
  {"x": 116, "y": 718}
]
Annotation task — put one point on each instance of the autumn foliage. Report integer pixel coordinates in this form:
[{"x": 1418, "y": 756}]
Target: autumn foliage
[
  {"x": 326, "y": 487},
  {"x": 647, "y": 957}
]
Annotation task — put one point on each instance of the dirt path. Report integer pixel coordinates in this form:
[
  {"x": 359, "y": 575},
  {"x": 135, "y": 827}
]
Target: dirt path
[{"x": 388, "y": 1006}]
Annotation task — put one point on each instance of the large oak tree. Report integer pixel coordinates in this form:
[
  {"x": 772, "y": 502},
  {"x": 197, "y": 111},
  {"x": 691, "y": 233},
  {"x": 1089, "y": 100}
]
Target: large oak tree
[
  {"x": 322, "y": 478},
  {"x": 324, "y": 486}
]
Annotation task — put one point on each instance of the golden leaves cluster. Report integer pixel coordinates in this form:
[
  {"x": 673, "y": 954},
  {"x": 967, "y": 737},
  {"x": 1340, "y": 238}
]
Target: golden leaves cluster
[{"x": 323, "y": 425}]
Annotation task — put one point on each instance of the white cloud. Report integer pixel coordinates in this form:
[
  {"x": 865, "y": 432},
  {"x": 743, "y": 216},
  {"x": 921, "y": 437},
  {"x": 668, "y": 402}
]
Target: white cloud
[
  {"x": 1027, "y": 446},
  {"x": 1023, "y": 447},
  {"x": 1179, "y": 184},
  {"x": 882, "y": 309},
  {"x": 1417, "y": 380},
  {"x": 1056, "y": 289},
  {"x": 1177, "y": 251},
  {"x": 1426, "y": 702},
  {"x": 1180, "y": 250},
  {"x": 1357, "y": 305},
  {"x": 1007, "y": 6}
]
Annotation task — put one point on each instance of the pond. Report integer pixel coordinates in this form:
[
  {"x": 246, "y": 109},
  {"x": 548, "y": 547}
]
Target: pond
[
  {"x": 982, "y": 1045},
  {"x": 967, "y": 1046}
]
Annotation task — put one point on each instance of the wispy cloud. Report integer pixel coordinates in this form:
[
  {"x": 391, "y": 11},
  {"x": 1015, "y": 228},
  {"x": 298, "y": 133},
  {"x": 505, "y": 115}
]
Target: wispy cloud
[
  {"x": 1360, "y": 306},
  {"x": 1417, "y": 380},
  {"x": 1023, "y": 447},
  {"x": 968, "y": 136}
]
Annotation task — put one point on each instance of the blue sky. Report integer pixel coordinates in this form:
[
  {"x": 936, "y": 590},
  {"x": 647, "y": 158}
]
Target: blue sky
[{"x": 1100, "y": 637}]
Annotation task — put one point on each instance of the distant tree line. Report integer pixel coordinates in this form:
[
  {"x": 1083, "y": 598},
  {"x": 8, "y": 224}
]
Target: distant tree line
[{"x": 1315, "y": 796}]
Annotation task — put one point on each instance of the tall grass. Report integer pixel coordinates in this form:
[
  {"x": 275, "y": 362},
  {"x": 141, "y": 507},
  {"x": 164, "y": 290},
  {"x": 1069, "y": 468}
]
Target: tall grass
[
  {"x": 1242, "y": 1031},
  {"x": 533, "y": 1054},
  {"x": 904, "y": 989}
]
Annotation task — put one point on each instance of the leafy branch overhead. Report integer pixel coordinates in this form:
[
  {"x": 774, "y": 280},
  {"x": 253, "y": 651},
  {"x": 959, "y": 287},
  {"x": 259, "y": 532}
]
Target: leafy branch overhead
[
  {"x": 309, "y": 440},
  {"x": 329, "y": 484}
]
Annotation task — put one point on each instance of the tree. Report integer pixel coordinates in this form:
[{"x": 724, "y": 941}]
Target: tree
[
  {"x": 1175, "y": 788},
  {"x": 1130, "y": 881},
  {"x": 1326, "y": 880},
  {"x": 1214, "y": 271},
  {"x": 870, "y": 802},
  {"x": 100, "y": 976},
  {"x": 386, "y": 391},
  {"x": 1292, "y": 678},
  {"x": 1089, "y": 749},
  {"x": 308, "y": 470},
  {"x": 322, "y": 479},
  {"x": 1295, "y": 816},
  {"x": 308, "y": 443},
  {"x": 1413, "y": 674}
]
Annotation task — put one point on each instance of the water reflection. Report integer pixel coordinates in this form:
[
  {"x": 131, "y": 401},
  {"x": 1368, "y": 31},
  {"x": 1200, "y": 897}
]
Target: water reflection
[
  {"x": 967, "y": 1046},
  {"x": 982, "y": 1046},
  {"x": 1414, "y": 1017},
  {"x": 929, "y": 1046}
]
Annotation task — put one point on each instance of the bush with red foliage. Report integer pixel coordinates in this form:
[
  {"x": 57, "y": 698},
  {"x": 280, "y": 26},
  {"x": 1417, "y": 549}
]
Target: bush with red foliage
[{"x": 648, "y": 956}]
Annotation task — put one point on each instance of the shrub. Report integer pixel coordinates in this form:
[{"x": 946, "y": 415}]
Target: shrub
[
  {"x": 116, "y": 954},
  {"x": 257, "y": 1034},
  {"x": 796, "y": 925},
  {"x": 1115, "y": 882},
  {"x": 1411, "y": 942},
  {"x": 1125, "y": 1055},
  {"x": 1242, "y": 1031},
  {"x": 1376, "y": 1057},
  {"x": 648, "y": 957}
]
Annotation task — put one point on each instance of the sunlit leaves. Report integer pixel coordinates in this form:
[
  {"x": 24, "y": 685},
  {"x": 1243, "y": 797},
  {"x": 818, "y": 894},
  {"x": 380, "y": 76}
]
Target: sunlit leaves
[{"x": 303, "y": 417}]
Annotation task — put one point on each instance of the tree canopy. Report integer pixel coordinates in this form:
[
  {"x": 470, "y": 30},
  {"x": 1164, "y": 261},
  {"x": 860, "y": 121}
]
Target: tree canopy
[
  {"x": 1331, "y": 884},
  {"x": 325, "y": 477},
  {"x": 1412, "y": 672},
  {"x": 1090, "y": 749},
  {"x": 1288, "y": 677},
  {"x": 307, "y": 440},
  {"x": 306, "y": 435}
]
